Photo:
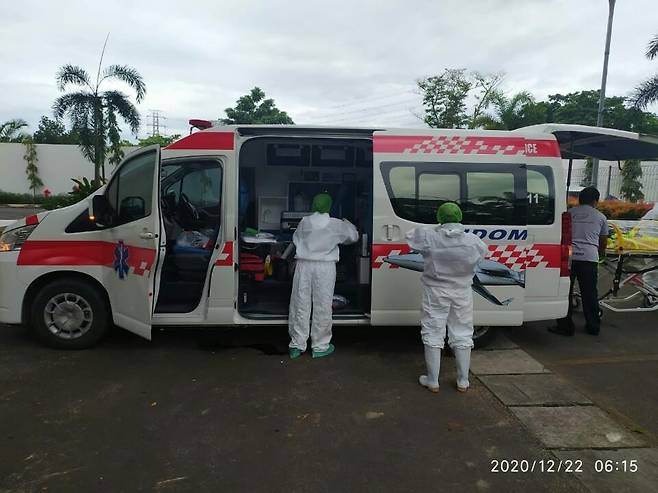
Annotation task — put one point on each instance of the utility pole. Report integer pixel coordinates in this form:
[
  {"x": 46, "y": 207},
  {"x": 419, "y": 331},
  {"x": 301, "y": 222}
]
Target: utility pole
[{"x": 604, "y": 78}]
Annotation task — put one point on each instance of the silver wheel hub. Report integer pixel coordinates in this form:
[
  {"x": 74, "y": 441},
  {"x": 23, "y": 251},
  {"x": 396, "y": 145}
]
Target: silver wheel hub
[{"x": 68, "y": 315}]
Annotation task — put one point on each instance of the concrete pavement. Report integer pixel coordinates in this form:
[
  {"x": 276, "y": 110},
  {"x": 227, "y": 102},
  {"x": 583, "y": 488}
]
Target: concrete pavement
[
  {"x": 617, "y": 369},
  {"x": 227, "y": 411}
]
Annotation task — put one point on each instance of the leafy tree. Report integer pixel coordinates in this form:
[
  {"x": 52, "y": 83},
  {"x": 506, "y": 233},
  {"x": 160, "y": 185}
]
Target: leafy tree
[
  {"x": 254, "y": 108},
  {"x": 94, "y": 113},
  {"x": 517, "y": 111},
  {"x": 53, "y": 132},
  {"x": 10, "y": 130},
  {"x": 647, "y": 92},
  {"x": 631, "y": 186},
  {"x": 444, "y": 98},
  {"x": 486, "y": 88},
  {"x": 32, "y": 170},
  {"x": 582, "y": 108},
  {"x": 163, "y": 140}
]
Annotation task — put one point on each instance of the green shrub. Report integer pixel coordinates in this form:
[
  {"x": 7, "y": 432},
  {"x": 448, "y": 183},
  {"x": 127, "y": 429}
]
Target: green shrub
[
  {"x": 59, "y": 201},
  {"x": 82, "y": 188},
  {"x": 619, "y": 209},
  {"x": 19, "y": 198}
]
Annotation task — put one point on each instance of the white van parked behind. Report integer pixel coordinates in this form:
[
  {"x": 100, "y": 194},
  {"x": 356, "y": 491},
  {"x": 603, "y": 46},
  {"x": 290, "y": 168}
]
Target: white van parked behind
[{"x": 197, "y": 234}]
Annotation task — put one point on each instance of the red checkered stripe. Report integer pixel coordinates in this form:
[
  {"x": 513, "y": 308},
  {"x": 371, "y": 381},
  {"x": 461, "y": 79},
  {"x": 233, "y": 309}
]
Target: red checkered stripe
[
  {"x": 466, "y": 145},
  {"x": 462, "y": 145},
  {"x": 379, "y": 252},
  {"x": 225, "y": 258},
  {"x": 512, "y": 256},
  {"x": 516, "y": 257}
]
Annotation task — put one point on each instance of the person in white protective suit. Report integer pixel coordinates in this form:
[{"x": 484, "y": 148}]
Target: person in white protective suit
[
  {"x": 450, "y": 258},
  {"x": 316, "y": 241}
]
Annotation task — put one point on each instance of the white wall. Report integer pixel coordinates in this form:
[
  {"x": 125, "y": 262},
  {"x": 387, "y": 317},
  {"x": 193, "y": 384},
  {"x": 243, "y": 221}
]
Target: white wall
[
  {"x": 57, "y": 165},
  {"x": 649, "y": 178}
]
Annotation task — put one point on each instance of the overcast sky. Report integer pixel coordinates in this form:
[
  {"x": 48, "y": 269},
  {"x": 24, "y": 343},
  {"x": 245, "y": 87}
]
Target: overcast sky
[{"x": 345, "y": 62}]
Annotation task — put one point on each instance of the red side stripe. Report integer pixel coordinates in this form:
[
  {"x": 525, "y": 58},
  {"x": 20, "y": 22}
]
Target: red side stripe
[
  {"x": 471, "y": 144},
  {"x": 530, "y": 256},
  {"x": 83, "y": 253},
  {"x": 549, "y": 252},
  {"x": 381, "y": 250},
  {"x": 225, "y": 259},
  {"x": 205, "y": 141}
]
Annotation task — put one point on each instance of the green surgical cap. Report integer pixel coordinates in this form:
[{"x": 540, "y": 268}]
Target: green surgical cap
[
  {"x": 322, "y": 203},
  {"x": 449, "y": 213}
]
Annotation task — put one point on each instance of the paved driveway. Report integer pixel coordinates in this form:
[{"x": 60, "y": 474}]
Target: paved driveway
[{"x": 225, "y": 412}]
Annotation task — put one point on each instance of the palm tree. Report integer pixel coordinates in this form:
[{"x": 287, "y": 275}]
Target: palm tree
[
  {"x": 647, "y": 92},
  {"x": 93, "y": 113},
  {"x": 9, "y": 130},
  {"x": 508, "y": 113}
]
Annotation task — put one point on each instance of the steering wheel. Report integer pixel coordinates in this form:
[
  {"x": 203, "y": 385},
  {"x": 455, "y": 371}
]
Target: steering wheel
[{"x": 190, "y": 209}]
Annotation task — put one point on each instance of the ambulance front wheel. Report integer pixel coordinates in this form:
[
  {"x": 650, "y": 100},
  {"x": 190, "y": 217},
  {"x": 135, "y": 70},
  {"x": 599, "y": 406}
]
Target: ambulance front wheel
[{"x": 70, "y": 314}]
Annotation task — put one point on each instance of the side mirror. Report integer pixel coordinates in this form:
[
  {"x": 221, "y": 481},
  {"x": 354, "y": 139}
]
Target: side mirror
[{"x": 100, "y": 211}]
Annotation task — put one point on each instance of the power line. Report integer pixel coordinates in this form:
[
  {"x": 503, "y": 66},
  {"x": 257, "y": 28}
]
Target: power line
[
  {"x": 373, "y": 98},
  {"x": 368, "y": 109},
  {"x": 369, "y": 116}
]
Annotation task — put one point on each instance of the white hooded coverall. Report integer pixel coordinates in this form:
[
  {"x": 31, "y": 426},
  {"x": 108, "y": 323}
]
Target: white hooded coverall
[
  {"x": 450, "y": 256},
  {"x": 316, "y": 241}
]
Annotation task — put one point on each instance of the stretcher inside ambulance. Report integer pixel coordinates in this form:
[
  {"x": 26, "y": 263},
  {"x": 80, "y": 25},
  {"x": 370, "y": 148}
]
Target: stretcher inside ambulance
[{"x": 198, "y": 234}]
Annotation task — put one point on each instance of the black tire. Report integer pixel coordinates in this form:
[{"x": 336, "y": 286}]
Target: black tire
[
  {"x": 483, "y": 336},
  {"x": 93, "y": 303}
]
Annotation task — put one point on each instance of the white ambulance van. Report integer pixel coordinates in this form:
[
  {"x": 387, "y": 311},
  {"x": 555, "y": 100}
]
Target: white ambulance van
[{"x": 197, "y": 234}]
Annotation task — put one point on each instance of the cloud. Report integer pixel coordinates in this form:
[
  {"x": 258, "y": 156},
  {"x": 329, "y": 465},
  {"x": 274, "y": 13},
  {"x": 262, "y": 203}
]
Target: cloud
[{"x": 342, "y": 62}]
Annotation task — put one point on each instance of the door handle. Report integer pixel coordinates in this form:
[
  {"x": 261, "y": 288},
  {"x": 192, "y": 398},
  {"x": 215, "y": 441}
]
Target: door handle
[
  {"x": 147, "y": 235},
  {"x": 391, "y": 232}
]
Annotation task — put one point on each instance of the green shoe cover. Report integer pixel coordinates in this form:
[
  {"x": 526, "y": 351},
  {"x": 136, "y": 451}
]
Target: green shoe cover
[
  {"x": 294, "y": 352},
  {"x": 322, "y": 354}
]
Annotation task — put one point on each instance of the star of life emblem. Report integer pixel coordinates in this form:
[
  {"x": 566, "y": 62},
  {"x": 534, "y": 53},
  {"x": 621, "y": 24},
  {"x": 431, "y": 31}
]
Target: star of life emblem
[{"x": 121, "y": 260}]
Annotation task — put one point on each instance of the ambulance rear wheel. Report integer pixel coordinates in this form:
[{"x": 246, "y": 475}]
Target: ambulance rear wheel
[
  {"x": 70, "y": 314},
  {"x": 483, "y": 335}
]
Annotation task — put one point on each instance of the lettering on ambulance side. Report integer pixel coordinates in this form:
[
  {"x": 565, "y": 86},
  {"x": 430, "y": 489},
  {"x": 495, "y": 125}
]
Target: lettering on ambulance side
[
  {"x": 500, "y": 234},
  {"x": 531, "y": 148}
]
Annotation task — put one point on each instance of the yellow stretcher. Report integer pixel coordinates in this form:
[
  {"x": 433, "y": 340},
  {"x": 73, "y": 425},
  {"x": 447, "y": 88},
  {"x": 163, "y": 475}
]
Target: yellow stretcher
[
  {"x": 635, "y": 237},
  {"x": 632, "y": 259}
]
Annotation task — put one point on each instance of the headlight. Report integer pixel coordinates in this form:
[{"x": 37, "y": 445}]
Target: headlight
[{"x": 14, "y": 239}]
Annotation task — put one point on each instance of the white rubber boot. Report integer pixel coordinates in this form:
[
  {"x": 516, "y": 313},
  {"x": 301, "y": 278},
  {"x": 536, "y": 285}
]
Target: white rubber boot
[
  {"x": 463, "y": 362},
  {"x": 433, "y": 363}
]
